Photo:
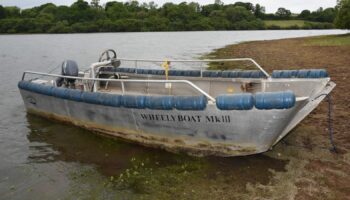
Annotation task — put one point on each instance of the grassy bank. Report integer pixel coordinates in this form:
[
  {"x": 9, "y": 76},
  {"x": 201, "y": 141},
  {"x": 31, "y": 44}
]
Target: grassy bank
[
  {"x": 312, "y": 172},
  {"x": 338, "y": 40},
  {"x": 296, "y": 24},
  {"x": 284, "y": 23}
]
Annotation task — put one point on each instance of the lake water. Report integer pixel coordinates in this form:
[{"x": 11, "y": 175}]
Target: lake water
[{"x": 42, "y": 159}]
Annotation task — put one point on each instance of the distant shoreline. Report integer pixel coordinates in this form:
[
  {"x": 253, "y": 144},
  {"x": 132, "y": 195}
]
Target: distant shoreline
[
  {"x": 132, "y": 16},
  {"x": 168, "y": 31}
]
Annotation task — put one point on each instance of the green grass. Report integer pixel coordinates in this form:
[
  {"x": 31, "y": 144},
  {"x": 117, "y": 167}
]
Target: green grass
[
  {"x": 330, "y": 40},
  {"x": 284, "y": 23}
]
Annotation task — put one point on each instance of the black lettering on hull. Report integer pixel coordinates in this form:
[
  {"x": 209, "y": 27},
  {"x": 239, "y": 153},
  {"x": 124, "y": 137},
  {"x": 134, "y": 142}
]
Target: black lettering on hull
[{"x": 187, "y": 118}]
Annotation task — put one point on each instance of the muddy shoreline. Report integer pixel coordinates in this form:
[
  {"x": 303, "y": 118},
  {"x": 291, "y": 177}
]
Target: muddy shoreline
[{"x": 313, "y": 171}]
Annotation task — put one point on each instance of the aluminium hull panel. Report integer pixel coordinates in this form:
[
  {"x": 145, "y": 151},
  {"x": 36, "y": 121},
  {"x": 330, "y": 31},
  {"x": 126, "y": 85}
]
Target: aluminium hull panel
[{"x": 207, "y": 132}]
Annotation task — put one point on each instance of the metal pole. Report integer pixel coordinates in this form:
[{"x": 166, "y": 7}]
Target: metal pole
[
  {"x": 130, "y": 81},
  {"x": 123, "y": 87},
  {"x": 206, "y": 60}
]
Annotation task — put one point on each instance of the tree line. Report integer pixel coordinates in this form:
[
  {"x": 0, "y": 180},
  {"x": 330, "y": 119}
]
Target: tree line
[{"x": 131, "y": 16}]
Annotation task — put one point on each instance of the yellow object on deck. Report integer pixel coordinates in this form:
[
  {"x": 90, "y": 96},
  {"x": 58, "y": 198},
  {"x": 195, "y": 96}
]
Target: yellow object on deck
[
  {"x": 166, "y": 64},
  {"x": 230, "y": 89}
]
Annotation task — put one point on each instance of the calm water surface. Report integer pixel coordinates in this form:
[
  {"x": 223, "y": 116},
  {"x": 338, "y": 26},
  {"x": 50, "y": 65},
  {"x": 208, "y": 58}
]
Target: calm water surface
[{"x": 42, "y": 159}]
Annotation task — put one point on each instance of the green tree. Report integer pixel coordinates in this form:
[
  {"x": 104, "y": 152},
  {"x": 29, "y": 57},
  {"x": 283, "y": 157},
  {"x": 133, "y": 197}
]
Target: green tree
[
  {"x": 48, "y": 8},
  {"x": 60, "y": 27},
  {"x": 29, "y": 13},
  {"x": 248, "y": 6},
  {"x": 206, "y": 10},
  {"x": 133, "y": 6},
  {"x": 81, "y": 12},
  {"x": 25, "y": 26},
  {"x": 218, "y": 2},
  {"x": 116, "y": 10},
  {"x": 12, "y": 11},
  {"x": 248, "y": 25},
  {"x": 182, "y": 13},
  {"x": 259, "y": 11},
  {"x": 134, "y": 16},
  {"x": 2, "y": 12},
  {"x": 80, "y": 5},
  {"x": 320, "y": 15},
  {"x": 84, "y": 27},
  {"x": 327, "y": 15},
  {"x": 305, "y": 14},
  {"x": 95, "y": 3},
  {"x": 8, "y": 25},
  {"x": 152, "y": 6},
  {"x": 156, "y": 24},
  {"x": 238, "y": 13},
  {"x": 343, "y": 17},
  {"x": 283, "y": 13},
  {"x": 200, "y": 25},
  {"x": 47, "y": 12},
  {"x": 64, "y": 14},
  {"x": 218, "y": 20}
]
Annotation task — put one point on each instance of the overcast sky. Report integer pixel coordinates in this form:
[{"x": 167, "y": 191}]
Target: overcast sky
[{"x": 296, "y": 6}]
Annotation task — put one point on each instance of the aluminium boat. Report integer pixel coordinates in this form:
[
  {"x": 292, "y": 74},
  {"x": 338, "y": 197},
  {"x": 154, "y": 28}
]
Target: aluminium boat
[{"x": 199, "y": 112}]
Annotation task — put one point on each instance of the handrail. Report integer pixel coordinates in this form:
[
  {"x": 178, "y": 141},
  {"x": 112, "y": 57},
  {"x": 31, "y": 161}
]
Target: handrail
[
  {"x": 205, "y": 60},
  {"x": 124, "y": 80}
]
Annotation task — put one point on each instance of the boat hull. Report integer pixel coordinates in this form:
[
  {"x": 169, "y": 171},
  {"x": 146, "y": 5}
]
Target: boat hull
[{"x": 201, "y": 133}]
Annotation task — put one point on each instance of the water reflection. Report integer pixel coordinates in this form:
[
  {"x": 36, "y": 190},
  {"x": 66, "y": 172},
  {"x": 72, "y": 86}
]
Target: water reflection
[{"x": 52, "y": 141}]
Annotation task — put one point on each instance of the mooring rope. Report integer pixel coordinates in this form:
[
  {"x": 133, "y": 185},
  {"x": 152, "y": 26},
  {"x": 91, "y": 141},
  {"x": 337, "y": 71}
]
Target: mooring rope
[
  {"x": 330, "y": 123},
  {"x": 330, "y": 127}
]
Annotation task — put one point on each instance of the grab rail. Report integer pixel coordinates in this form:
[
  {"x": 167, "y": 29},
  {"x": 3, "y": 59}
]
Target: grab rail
[
  {"x": 201, "y": 61},
  {"x": 122, "y": 81}
]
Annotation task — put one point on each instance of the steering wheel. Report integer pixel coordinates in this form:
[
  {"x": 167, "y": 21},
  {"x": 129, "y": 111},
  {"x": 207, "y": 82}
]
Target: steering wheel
[{"x": 106, "y": 55}]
